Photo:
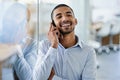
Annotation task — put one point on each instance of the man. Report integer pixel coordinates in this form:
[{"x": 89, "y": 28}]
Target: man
[{"x": 63, "y": 56}]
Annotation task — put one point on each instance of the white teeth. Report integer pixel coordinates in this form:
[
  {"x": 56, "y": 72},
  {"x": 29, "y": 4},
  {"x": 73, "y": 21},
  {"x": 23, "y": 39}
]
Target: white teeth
[{"x": 66, "y": 25}]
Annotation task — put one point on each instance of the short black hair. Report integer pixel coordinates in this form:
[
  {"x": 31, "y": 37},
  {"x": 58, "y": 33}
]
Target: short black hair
[{"x": 60, "y": 5}]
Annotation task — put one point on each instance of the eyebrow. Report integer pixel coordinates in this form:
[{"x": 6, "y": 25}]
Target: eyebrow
[
  {"x": 58, "y": 14},
  {"x": 68, "y": 12}
]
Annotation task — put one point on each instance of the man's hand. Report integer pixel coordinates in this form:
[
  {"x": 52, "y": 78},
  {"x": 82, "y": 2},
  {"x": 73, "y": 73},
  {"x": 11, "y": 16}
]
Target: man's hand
[
  {"x": 53, "y": 36},
  {"x": 51, "y": 74}
]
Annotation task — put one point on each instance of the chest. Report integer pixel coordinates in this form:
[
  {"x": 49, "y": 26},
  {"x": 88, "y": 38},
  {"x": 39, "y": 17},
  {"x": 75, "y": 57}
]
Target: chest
[{"x": 70, "y": 62}]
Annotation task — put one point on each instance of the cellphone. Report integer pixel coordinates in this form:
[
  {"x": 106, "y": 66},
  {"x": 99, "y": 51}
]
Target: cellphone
[{"x": 53, "y": 23}]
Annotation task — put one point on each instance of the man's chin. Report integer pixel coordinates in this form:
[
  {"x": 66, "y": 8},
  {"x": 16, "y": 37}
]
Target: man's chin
[{"x": 66, "y": 32}]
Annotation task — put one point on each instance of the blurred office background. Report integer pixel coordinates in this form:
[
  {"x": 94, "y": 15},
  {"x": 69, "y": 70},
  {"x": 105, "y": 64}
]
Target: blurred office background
[
  {"x": 98, "y": 26},
  {"x": 13, "y": 21}
]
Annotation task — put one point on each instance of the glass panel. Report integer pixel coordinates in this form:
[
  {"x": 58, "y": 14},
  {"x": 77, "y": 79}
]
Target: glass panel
[{"x": 18, "y": 30}]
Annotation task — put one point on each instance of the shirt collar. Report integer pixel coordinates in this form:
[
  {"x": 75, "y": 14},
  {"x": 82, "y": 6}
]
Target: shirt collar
[{"x": 79, "y": 42}]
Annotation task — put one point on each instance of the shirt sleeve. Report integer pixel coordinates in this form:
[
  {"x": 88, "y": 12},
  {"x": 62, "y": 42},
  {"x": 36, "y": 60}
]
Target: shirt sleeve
[
  {"x": 89, "y": 72},
  {"x": 44, "y": 63},
  {"x": 23, "y": 70},
  {"x": 24, "y": 64}
]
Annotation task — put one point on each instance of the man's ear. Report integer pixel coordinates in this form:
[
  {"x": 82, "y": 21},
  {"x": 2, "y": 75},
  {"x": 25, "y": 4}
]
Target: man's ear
[{"x": 76, "y": 21}]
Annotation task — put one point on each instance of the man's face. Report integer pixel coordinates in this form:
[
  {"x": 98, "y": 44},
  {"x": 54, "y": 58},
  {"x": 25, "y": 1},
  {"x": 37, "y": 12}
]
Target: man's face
[{"x": 64, "y": 19}]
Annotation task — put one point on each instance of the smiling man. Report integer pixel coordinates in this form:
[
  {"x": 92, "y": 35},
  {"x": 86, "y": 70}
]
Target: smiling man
[{"x": 63, "y": 56}]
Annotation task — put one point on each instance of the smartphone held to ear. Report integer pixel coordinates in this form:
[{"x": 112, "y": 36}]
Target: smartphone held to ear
[{"x": 53, "y": 23}]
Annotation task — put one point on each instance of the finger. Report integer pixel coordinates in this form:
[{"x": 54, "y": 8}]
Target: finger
[
  {"x": 57, "y": 32},
  {"x": 61, "y": 36},
  {"x": 52, "y": 71},
  {"x": 50, "y": 27}
]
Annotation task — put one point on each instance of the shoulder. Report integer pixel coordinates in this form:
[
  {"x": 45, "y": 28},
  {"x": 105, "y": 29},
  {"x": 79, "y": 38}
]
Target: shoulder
[
  {"x": 89, "y": 53},
  {"x": 87, "y": 48}
]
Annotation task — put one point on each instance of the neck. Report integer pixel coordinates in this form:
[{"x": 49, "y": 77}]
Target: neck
[{"x": 68, "y": 40}]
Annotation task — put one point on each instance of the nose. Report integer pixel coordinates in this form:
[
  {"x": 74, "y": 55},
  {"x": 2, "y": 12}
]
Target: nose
[{"x": 65, "y": 18}]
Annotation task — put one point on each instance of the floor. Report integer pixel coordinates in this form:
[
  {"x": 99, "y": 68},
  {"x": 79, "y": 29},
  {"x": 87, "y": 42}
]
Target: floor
[{"x": 109, "y": 66}]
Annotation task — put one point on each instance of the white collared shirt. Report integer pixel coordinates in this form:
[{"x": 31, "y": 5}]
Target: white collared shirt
[{"x": 75, "y": 63}]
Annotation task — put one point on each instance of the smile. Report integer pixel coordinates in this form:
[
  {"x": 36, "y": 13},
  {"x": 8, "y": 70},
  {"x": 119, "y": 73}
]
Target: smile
[{"x": 67, "y": 24}]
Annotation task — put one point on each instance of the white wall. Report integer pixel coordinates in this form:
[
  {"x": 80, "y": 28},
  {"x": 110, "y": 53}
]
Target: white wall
[{"x": 82, "y": 11}]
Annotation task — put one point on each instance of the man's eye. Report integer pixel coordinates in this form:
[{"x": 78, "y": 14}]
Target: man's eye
[
  {"x": 69, "y": 14},
  {"x": 59, "y": 17}
]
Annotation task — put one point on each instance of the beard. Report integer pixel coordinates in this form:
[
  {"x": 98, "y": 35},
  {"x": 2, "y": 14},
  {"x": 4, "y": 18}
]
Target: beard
[
  {"x": 66, "y": 29},
  {"x": 63, "y": 32}
]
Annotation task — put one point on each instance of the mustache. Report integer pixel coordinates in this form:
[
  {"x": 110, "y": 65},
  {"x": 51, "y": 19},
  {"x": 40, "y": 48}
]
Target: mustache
[{"x": 65, "y": 22}]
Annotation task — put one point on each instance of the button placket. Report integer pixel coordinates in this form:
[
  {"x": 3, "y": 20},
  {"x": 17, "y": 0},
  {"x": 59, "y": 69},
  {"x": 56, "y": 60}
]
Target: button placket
[{"x": 65, "y": 64}]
